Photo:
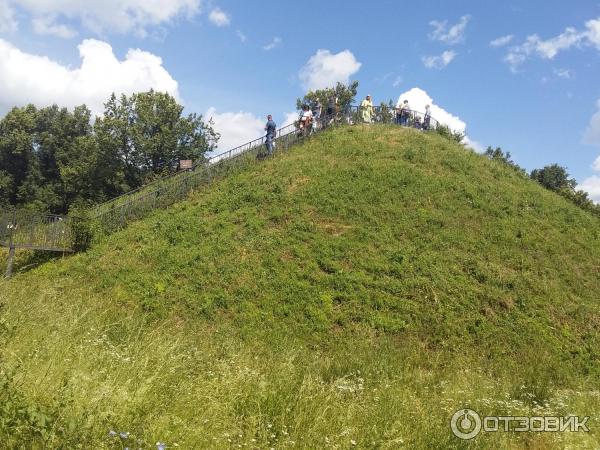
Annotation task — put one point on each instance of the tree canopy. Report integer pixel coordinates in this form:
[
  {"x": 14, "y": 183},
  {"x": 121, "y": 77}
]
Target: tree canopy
[
  {"x": 554, "y": 177},
  {"x": 345, "y": 95},
  {"x": 52, "y": 158}
]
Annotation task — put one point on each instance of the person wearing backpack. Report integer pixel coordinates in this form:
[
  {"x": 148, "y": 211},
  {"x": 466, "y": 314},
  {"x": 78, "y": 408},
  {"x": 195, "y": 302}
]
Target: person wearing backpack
[{"x": 271, "y": 129}]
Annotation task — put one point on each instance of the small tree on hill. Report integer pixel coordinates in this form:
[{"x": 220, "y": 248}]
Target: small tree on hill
[
  {"x": 445, "y": 131},
  {"x": 557, "y": 179},
  {"x": 345, "y": 95},
  {"x": 386, "y": 112},
  {"x": 497, "y": 154},
  {"x": 554, "y": 177}
]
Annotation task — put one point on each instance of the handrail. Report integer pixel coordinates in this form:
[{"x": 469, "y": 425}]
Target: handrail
[
  {"x": 22, "y": 228},
  {"x": 203, "y": 161}
]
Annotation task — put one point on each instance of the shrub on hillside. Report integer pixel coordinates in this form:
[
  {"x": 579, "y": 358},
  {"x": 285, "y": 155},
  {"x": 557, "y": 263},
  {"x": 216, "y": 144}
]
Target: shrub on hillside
[
  {"x": 557, "y": 179},
  {"x": 445, "y": 131},
  {"x": 498, "y": 155},
  {"x": 82, "y": 233}
]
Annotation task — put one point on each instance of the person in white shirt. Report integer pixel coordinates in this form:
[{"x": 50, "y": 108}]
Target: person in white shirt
[{"x": 306, "y": 118}]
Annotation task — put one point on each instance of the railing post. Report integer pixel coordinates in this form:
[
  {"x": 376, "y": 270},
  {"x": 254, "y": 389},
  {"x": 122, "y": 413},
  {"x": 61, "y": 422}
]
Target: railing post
[
  {"x": 10, "y": 261},
  {"x": 11, "y": 246}
]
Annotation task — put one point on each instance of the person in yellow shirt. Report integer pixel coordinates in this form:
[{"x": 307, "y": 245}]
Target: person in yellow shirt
[{"x": 366, "y": 108}]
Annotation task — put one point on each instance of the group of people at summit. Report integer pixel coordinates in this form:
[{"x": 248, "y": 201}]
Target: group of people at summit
[
  {"x": 403, "y": 114},
  {"x": 310, "y": 118}
]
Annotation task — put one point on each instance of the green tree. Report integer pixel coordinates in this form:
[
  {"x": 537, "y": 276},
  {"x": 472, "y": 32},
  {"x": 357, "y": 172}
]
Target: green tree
[
  {"x": 52, "y": 158},
  {"x": 17, "y": 154},
  {"x": 65, "y": 164},
  {"x": 554, "y": 177},
  {"x": 149, "y": 134},
  {"x": 445, "y": 131},
  {"x": 386, "y": 112},
  {"x": 114, "y": 137},
  {"x": 345, "y": 94},
  {"x": 557, "y": 179}
]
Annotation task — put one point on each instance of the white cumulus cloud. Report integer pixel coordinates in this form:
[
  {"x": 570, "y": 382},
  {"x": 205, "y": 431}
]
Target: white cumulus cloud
[
  {"x": 591, "y": 185},
  {"x": 502, "y": 41},
  {"x": 289, "y": 118},
  {"x": 475, "y": 145},
  {"x": 418, "y": 99},
  {"x": 236, "y": 128},
  {"x": 593, "y": 32},
  {"x": 439, "y": 62},
  {"x": 98, "y": 16},
  {"x": 27, "y": 78},
  {"x": 449, "y": 34},
  {"x": 591, "y": 136},
  {"x": 549, "y": 48},
  {"x": 325, "y": 69},
  {"x": 218, "y": 17}
]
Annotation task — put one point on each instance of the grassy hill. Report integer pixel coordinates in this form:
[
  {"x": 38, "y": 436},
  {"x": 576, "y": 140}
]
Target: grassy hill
[{"x": 352, "y": 293}]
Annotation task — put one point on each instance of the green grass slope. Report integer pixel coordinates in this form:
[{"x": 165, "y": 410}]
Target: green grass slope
[{"x": 352, "y": 293}]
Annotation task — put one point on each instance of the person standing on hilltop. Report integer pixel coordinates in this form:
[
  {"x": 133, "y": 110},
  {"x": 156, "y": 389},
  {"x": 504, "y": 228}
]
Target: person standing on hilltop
[
  {"x": 306, "y": 120},
  {"x": 317, "y": 111},
  {"x": 404, "y": 113},
  {"x": 366, "y": 108},
  {"x": 271, "y": 129},
  {"x": 427, "y": 118},
  {"x": 332, "y": 106},
  {"x": 398, "y": 118}
]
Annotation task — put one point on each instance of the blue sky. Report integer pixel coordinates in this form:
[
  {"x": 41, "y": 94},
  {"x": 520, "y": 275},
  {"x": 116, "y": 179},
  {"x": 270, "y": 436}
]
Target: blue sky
[{"x": 534, "y": 93}]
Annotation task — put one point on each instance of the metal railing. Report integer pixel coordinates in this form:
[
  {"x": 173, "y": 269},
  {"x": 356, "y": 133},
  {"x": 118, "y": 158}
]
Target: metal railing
[
  {"x": 391, "y": 115},
  {"x": 164, "y": 192},
  {"x": 24, "y": 229},
  {"x": 30, "y": 230}
]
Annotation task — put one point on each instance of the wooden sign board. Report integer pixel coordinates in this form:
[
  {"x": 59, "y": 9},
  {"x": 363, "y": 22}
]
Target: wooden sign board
[{"x": 185, "y": 164}]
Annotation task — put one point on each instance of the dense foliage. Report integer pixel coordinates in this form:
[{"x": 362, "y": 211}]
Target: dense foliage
[
  {"x": 553, "y": 177},
  {"x": 452, "y": 135},
  {"x": 52, "y": 158},
  {"x": 557, "y": 179},
  {"x": 345, "y": 95}
]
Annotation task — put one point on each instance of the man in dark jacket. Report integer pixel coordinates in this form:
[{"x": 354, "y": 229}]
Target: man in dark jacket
[{"x": 271, "y": 129}]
